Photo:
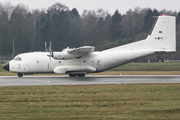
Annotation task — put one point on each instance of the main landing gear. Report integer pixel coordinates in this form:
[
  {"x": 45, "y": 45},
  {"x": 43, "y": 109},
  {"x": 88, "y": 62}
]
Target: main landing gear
[
  {"x": 70, "y": 75},
  {"x": 76, "y": 75}
]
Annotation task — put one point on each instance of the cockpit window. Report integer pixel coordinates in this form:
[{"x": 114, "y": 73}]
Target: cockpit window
[{"x": 17, "y": 58}]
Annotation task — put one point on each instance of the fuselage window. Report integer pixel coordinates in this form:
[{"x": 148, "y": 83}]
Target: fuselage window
[
  {"x": 37, "y": 61},
  {"x": 59, "y": 61}
]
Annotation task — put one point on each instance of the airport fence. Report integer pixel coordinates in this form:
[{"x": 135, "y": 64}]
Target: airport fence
[
  {"x": 4, "y": 59},
  {"x": 172, "y": 61}
]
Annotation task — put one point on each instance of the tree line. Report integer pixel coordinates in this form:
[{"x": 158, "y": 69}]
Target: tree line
[{"x": 24, "y": 30}]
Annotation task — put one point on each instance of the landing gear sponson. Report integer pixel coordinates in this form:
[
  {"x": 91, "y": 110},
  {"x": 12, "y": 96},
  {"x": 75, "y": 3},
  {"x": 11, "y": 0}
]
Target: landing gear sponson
[{"x": 70, "y": 75}]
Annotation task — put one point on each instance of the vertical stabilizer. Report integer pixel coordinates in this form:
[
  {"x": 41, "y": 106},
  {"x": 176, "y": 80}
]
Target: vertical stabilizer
[{"x": 163, "y": 35}]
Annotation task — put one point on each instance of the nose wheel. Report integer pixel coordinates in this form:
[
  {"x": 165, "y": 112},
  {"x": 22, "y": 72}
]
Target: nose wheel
[{"x": 20, "y": 74}]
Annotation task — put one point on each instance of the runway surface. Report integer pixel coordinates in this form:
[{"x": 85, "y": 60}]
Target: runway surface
[{"x": 88, "y": 80}]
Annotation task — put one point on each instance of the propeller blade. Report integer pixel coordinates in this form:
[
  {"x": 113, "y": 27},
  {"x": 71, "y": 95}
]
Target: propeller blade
[
  {"x": 50, "y": 47},
  {"x": 46, "y": 47},
  {"x": 50, "y": 51}
]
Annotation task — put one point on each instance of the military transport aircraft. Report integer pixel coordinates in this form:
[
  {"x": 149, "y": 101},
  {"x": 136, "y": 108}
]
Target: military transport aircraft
[{"x": 83, "y": 60}]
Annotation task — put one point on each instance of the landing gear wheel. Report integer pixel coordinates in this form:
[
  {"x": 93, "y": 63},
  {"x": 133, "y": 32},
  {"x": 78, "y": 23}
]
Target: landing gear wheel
[
  {"x": 81, "y": 75},
  {"x": 72, "y": 75},
  {"x": 20, "y": 74}
]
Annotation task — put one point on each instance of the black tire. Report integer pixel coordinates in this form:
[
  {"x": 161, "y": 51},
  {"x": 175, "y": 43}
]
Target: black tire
[
  {"x": 81, "y": 75},
  {"x": 20, "y": 74},
  {"x": 72, "y": 75}
]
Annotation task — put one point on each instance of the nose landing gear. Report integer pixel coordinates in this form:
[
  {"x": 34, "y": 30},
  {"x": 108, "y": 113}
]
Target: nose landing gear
[{"x": 20, "y": 74}]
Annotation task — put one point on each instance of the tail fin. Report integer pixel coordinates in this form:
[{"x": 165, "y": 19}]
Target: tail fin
[{"x": 162, "y": 37}]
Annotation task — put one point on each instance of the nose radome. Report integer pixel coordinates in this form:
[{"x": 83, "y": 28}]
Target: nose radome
[{"x": 6, "y": 66}]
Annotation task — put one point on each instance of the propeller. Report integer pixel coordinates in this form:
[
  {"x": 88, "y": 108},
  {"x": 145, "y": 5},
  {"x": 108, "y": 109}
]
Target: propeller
[
  {"x": 50, "y": 47},
  {"x": 50, "y": 51},
  {"x": 46, "y": 47},
  {"x": 50, "y": 55}
]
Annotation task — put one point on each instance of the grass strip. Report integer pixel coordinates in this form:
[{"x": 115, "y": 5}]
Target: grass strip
[{"x": 125, "y": 101}]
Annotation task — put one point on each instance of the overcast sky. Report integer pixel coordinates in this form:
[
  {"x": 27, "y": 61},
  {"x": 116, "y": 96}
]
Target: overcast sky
[{"x": 110, "y": 5}]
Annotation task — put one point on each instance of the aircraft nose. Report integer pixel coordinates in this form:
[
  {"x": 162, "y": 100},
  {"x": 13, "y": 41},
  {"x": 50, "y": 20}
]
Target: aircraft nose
[{"x": 6, "y": 66}]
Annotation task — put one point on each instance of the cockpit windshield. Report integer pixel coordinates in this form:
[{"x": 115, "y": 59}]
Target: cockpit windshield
[{"x": 17, "y": 58}]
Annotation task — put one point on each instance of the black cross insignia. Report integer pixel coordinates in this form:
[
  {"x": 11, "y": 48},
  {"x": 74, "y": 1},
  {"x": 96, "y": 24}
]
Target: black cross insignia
[{"x": 158, "y": 38}]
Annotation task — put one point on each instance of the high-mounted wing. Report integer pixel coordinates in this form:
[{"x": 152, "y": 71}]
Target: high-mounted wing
[
  {"x": 82, "y": 50},
  {"x": 74, "y": 53}
]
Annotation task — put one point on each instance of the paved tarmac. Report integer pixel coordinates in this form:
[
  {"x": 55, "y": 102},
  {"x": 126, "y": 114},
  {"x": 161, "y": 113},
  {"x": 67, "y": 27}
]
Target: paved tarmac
[{"x": 88, "y": 80}]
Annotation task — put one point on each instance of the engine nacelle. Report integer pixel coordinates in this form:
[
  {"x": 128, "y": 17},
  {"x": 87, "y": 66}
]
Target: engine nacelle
[{"x": 64, "y": 55}]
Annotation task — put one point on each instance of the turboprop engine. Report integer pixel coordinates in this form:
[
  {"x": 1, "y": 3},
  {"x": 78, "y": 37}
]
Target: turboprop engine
[
  {"x": 74, "y": 53},
  {"x": 64, "y": 55}
]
